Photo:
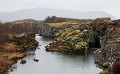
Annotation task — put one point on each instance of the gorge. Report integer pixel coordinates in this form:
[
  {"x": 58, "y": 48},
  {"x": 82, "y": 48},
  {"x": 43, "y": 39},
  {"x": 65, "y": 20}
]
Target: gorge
[{"x": 75, "y": 37}]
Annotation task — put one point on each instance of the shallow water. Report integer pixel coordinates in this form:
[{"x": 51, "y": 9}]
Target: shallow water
[{"x": 55, "y": 63}]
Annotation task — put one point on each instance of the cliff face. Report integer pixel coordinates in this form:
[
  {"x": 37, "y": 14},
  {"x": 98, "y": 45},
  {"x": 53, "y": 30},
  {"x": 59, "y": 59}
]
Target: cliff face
[
  {"x": 45, "y": 29},
  {"x": 109, "y": 50},
  {"x": 110, "y": 44}
]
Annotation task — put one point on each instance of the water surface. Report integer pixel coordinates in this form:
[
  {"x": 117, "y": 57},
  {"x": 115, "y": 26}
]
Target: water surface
[{"x": 55, "y": 63}]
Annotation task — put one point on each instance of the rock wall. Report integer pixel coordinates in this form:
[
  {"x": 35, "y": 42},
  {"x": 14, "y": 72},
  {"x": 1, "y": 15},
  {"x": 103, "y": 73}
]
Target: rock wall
[
  {"x": 45, "y": 29},
  {"x": 110, "y": 46}
]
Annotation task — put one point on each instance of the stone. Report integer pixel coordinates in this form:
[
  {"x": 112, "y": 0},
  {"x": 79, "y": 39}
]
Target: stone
[{"x": 22, "y": 61}]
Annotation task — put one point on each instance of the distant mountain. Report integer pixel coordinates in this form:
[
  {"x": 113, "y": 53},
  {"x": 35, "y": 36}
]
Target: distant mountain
[{"x": 42, "y": 13}]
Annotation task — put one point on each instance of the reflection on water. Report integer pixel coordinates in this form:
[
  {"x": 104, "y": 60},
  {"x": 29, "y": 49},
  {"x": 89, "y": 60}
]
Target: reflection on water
[{"x": 55, "y": 63}]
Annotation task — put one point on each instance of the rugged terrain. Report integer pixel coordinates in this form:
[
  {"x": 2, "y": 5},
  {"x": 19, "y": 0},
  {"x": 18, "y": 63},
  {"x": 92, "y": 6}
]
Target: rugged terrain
[
  {"x": 77, "y": 36},
  {"x": 15, "y": 39},
  {"x": 82, "y": 36}
]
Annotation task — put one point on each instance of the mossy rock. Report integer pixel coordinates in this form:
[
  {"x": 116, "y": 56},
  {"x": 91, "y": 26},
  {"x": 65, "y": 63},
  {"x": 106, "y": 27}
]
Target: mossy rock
[
  {"x": 22, "y": 61},
  {"x": 64, "y": 47},
  {"x": 80, "y": 45},
  {"x": 106, "y": 64},
  {"x": 105, "y": 72},
  {"x": 97, "y": 52}
]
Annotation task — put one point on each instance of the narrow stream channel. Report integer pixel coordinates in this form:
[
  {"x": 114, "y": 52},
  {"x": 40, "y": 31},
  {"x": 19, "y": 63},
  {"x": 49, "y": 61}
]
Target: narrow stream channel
[{"x": 55, "y": 63}]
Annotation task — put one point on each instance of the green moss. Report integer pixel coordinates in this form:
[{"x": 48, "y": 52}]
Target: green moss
[
  {"x": 73, "y": 37},
  {"x": 106, "y": 64},
  {"x": 57, "y": 34},
  {"x": 64, "y": 47},
  {"x": 58, "y": 39},
  {"x": 77, "y": 31},
  {"x": 97, "y": 52},
  {"x": 105, "y": 72},
  {"x": 81, "y": 45},
  {"x": 85, "y": 30}
]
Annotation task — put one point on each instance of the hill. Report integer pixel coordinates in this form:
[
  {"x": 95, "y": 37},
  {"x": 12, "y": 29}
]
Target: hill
[{"x": 42, "y": 13}]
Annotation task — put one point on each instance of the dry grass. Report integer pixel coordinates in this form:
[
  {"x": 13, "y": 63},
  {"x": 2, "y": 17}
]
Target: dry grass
[
  {"x": 11, "y": 56},
  {"x": 63, "y": 23},
  {"x": 5, "y": 65},
  {"x": 11, "y": 47},
  {"x": 55, "y": 24},
  {"x": 116, "y": 31}
]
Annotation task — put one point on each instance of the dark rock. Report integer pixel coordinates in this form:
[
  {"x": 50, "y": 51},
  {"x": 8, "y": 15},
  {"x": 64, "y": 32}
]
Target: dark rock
[
  {"x": 40, "y": 45},
  {"x": 22, "y": 62},
  {"x": 36, "y": 60}
]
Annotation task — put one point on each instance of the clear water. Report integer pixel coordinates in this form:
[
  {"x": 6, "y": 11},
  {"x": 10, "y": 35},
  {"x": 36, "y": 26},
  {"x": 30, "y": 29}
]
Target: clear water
[{"x": 55, "y": 63}]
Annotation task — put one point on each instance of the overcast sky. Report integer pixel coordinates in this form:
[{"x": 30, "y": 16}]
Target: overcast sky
[{"x": 110, "y": 6}]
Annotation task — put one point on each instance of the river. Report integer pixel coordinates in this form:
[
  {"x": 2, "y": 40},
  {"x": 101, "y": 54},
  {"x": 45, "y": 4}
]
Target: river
[{"x": 55, "y": 63}]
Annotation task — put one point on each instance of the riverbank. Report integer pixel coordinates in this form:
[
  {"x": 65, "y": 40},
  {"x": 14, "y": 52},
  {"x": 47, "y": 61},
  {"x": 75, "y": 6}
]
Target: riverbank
[
  {"x": 13, "y": 48},
  {"x": 15, "y": 39}
]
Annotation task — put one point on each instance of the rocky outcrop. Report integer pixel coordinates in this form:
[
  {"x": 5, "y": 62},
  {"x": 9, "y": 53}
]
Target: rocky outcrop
[
  {"x": 109, "y": 50},
  {"x": 13, "y": 48},
  {"x": 80, "y": 37},
  {"x": 45, "y": 29},
  {"x": 15, "y": 39},
  {"x": 110, "y": 44},
  {"x": 73, "y": 39},
  {"x": 22, "y": 62}
]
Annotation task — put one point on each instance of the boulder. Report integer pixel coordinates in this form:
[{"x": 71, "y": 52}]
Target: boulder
[{"x": 22, "y": 61}]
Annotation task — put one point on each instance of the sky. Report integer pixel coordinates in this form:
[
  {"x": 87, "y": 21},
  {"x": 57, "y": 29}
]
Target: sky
[{"x": 110, "y": 6}]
